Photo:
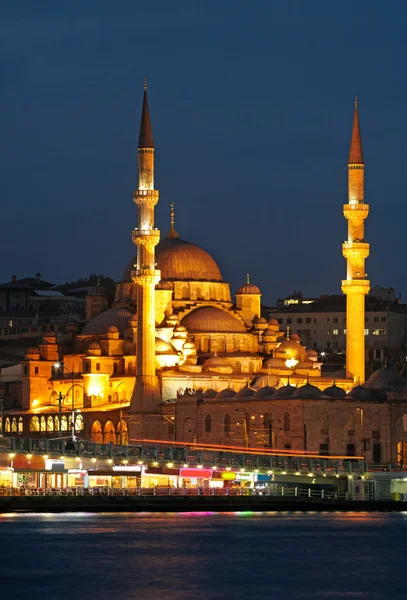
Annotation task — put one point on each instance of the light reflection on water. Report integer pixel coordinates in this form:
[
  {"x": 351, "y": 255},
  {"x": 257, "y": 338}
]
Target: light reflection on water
[{"x": 203, "y": 556}]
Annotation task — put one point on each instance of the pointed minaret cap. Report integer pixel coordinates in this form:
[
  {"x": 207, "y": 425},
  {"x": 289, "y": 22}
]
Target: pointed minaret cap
[
  {"x": 355, "y": 151},
  {"x": 172, "y": 232},
  {"x": 146, "y": 133}
]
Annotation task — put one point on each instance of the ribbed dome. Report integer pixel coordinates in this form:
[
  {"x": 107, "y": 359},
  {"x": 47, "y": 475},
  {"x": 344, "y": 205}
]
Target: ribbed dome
[
  {"x": 209, "y": 394},
  {"x": 245, "y": 392},
  {"x": 273, "y": 322},
  {"x": 360, "y": 393},
  {"x": 307, "y": 391},
  {"x": 267, "y": 390},
  {"x": 163, "y": 347},
  {"x": 215, "y": 361},
  {"x": 386, "y": 378},
  {"x": 334, "y": 392},
  {"x": 269, "y": 333},
  {"x": 212, "y": 319},
  {"x": 114, "y": 317},
  {"x": 226, "y": 393},
  {"x": 285, "y": 392},
  {"x": 248, "y": 288},
  {"x": 181, "y": 261}
]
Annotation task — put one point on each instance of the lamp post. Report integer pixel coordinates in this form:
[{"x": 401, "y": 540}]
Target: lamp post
[
  {"x": 64, "y": 368},
  {"x": 245, "y": 432},
  {"x": 1, "y": 415},
  {"x": 271, "y": 431}
]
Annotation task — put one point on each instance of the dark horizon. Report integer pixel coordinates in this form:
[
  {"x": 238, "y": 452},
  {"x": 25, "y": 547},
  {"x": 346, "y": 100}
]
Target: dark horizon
[{"x": 251, "y": 113}]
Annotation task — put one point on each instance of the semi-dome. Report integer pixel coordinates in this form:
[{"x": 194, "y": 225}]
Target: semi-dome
[
  {"x": 274, "y": 363},
  {"x": 334, "y": 391},
  {"x": 267, "y": 390},
  {"x": 387, "y": 379},
  {"x": 215, "y": 361},
  {"x": 212, "y": 320},
  {"x": 163, "y": 347},
  {"x": 114, "y": 317},
  {"x": 226, "y": 393},
  {"x": 179, "y": 260},
  {"x": 286, "y": 391},
  {"x": 269, "y": 332},
  {"x": 307, "y": 391}
]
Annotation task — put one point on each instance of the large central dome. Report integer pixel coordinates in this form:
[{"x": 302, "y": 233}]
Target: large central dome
[{"x": 181, "y": 261}]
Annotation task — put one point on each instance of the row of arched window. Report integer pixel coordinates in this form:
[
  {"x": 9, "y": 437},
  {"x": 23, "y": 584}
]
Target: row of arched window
[
  {"x": 109, "y": 433},
  {"x": 13, "y": 425},
  {"x": 50, "y": 423},
  {"x": 266, "y": 422}
]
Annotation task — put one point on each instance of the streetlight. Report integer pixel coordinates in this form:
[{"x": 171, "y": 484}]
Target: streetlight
[{"x": 58, "y": 366}]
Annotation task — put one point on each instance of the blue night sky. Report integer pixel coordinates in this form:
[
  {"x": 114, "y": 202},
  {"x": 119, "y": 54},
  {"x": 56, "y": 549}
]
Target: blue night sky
[{"x": 251, "y": 106}]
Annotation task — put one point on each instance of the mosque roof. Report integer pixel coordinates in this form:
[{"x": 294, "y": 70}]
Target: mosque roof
[
  {"x": 285, "y": 392},
  {"x": 360, "y": 393},
  {"x": 226, "y": 393},
  {"x": 307, "y": 391},
  {"x": 179, "y": 260},
  {"x": 114, "y": 317},
  {"x": 245, "y": 392},
  {"x": 267, "y": 390},
  {"x": 334, "y": 391},
  {"x": 209, "y": 393},
  {"x": 163, "y": 347},
  {"x": 386, "y": 378},
  {"x": 212, "y": 319}
]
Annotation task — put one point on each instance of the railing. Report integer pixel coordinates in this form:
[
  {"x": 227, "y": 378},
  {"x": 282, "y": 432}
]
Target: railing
[
  {"x": 278, "y": 492},
  {"x": 178, "y": 455}
]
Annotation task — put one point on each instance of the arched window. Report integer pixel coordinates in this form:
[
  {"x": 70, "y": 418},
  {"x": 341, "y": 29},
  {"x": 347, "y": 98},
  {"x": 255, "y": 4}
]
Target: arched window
[
  {"x": 43, "y": 424},
  {"x": 251, "y": 367},
  {"x": 7, "y": 426},
  {"x": 204, "y": 344},
  {"x": 56, "y": 423},
  {"x": 14, "y": 425},
  {"x": 109, "y": 433},
  {"x": 64, "y": 423},
  {"x": 109, "y": 398},
  {"x": 130, "y": 368},
  {"x": 79, "y": 423},
  {"x": 199, "y": 293},
  {"x": 34, "y": 424},
  {"x": 208, "y": 423},
  {"x": 96, "y": 433},
  {"x": 50, "y": 424},
  {"x": 286, "y": 421},
  {"x": 124, "y": 396},
  {"x": 227, "y": 423},
  {"x": 185, "y": 293},
  {"x": 114, "y": 367},
  {"x": 116, "y": 397},
  {"x": 238, "y": 367},
  {"x": 20, "y": 425},
  {"x": 122, "y": 433}
]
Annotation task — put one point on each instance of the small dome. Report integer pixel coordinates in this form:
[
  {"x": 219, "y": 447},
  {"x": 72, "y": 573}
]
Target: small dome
[
  {"x": 119, "y": 317},
  {"x": 209, "y": 393},
  {"x": 269, "y": 333},
  {"x": 304, "y": 364},
  {"x": 226, "y": 393},
  {"x": 163, "y": 347},
  {"x": 273, "y": 322},
  {"x": 189, "y": 346},
  {"x": 213, "y": 320},
  {"x": 180, "y": 329},
  {"x": 215, "y": 361},
  {"x": 245, "y": 392},
  {"x": 334, "y": 392},
  {"x": 387, "y": 379},
  {"x": 266, "y": 391},
  {"x": 33, "y": 350},
  {"x": 312, "y": 352},
  {"x": 94, "y": 346},
  {"x": 360, "y": 393},
  {"x": 274, "y": 363},
  {"x": 259, "y": 320},
  {"x": 163, "y": 285},
  {"x": 290, "y": 349},
  {"x": 295, "y": 337},
  {"x": 285, "y": 392},
  {"x": 113, "y": 329},
  {"x": 307, "y": 391},
  {"x": 248, "y": 288}
]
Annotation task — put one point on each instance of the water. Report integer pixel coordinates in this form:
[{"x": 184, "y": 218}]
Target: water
[{"x": 203, "y": 556}]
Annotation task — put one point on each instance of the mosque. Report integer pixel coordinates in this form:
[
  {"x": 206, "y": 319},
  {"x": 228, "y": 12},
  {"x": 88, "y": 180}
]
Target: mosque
[{"x": 175, "y": 339}]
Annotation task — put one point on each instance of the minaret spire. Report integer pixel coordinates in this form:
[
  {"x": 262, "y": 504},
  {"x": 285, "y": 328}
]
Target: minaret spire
[
  {"x": 172, "y": 232},
  {"x": 146, "y": 393},
  {"x": 355, "y": 250}
]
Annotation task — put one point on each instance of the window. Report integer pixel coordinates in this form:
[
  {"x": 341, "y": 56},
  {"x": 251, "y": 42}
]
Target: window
[
  {"x": 36, "y": 370},
  {"x": 34, "y": 424},
  {"x": 299, "y": 321},
  {"x": 366, "y": 319},
  {"x": 335, "y": 319},
  {"x": 315, "y": 320},
  {"x": 324, "y": 449},
  {"x": 328, "y": 344},
  {"x": 280, "y": 321},
  {"x": 25, "y": 370},
  {"x": 379, "y": 332},
  {"x": 97, "y": 366},
  {"x": 366, "y": 332},
  {"x": 350, "y": 449},
  {"x": 114, "y": 367},
  {"x": 328, "y": 332},
  {"x": 344, "y": 332},
  {"x": 7, "y": 426},
  {"x": 335, "y": 331},
  {"x": 308, "y": 320},
  {"x": 376, "y": 319},
  {"x": 377, "y": 454},
  {"x": 383, "y": 319},
  {"x": 287, "y": 446},
  {"x": 328, "y": 320},
  {"x": 227, "y": 423},
  {"x": 289, "y": 321},
  {"x": 286, "y": 421},
  {"x": 20, "y": 425},
  {"x": 335, "y": 345},
  {"x": 86, "y": 367},
  {"x": 208, "y": 423}
]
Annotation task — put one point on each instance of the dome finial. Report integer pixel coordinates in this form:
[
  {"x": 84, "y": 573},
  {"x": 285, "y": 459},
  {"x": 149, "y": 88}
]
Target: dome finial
[
  {"x": 145, "y": 83},
  {"x": 288, "y": 332},
  {"x": 172, "y": 232},
  {"x": 247, "y": 278},
  {"x": 356, "y": 102}
]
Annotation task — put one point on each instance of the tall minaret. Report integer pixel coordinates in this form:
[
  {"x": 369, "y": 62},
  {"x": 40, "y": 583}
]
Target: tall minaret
[
  {"x": 146, "y": 392},
  {"x": 355, "y": 250}
]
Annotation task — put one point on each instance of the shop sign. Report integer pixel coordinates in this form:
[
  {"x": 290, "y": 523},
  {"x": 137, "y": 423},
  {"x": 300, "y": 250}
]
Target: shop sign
[
  {"x": 261, "y": 477},
  {"x": 196, "y": 473},
  {"x": 54, "y": 465},
  {"x": 77, "y": 472},
  {"x": 228, "y": 475},
  {"x": 127, "y": 468}
]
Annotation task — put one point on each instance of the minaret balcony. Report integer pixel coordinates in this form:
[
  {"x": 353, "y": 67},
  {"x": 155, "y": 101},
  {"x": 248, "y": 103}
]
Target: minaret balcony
[
  {"x": 146, "y": 237},
  {"x": 356, "y": 212},
  {"x": 355, "y": 250},
  {"x": 353, "y": 287},
  {"x": 147, "y": 198}
]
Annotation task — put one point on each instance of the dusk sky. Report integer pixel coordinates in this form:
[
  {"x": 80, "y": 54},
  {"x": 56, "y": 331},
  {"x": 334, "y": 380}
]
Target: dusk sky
[{"x": 251, "y": 106}]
